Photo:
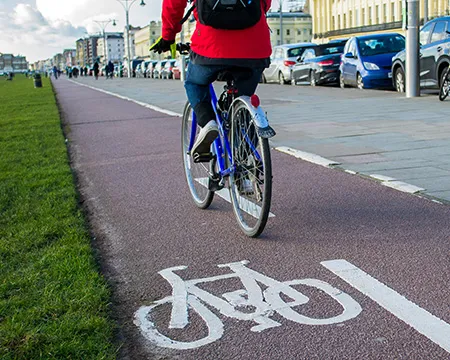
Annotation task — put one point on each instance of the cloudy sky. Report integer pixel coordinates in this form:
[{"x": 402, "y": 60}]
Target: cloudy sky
[{"x": 39, "y": 29}]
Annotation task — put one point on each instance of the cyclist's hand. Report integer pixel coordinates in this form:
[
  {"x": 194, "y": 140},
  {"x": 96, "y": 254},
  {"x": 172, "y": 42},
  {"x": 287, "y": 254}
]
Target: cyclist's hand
[{"x": 161, "y": 45}]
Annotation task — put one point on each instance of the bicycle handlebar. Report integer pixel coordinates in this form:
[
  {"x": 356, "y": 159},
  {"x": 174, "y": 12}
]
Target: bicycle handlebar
[{"x": 183, "y": 49}]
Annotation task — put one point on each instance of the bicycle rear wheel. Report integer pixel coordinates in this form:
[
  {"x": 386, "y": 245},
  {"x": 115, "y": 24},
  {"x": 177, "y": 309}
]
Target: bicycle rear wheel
[
  {"x": 197, "y": 174},
  {"x": 445, "y": 85},
  {"x": 251, "y": 182}
]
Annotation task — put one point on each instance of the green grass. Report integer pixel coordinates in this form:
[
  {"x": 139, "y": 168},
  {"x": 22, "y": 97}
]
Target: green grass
[{"x": 54, "y": 304}]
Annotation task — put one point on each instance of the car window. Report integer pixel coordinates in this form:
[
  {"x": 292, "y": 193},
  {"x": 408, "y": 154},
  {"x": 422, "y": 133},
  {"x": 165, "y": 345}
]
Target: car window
[
  {"x": 424, "y": 33},
  {"x": 439, "y": 33},
  {"x": 352, "y": 47},
  {"x": 308, "y": 54},
  {"x": 330, "y": 50},
  {"x": 295, "y": 52},
  {"x": 381, "y": 45}
]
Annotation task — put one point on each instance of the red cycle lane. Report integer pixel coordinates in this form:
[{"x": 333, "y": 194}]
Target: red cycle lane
[{"x": 347, "y": 268}]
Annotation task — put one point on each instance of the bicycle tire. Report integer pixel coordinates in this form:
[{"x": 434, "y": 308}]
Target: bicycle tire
[
  {"x": 197, "y": 174},
  {"x": 150, "y": 330},
  {"x": 445, "y": 88},
  {"x": 252, "y": 161}
]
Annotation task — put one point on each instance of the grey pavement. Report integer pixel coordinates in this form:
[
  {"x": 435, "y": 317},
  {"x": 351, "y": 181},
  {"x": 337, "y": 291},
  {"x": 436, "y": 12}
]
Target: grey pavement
[
  {"x": 127, "y": 160},
  {"x": 369, "y": 132}
]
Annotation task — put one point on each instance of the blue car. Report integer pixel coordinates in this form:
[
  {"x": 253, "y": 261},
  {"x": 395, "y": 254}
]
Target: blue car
[{"x": 367, "y": 60}]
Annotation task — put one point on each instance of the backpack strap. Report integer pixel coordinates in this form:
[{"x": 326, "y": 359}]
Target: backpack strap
[{"x": 191, "y": 9}]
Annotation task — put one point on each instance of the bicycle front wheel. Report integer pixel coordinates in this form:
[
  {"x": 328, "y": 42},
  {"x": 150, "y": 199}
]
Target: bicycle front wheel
[
  {"x": 445, "y": 85},
  {"x": 197, "y": 174},
  {"x": 251, "y": 182}
]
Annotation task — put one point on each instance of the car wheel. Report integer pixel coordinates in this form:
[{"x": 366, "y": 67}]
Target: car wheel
[
  {"x": 263, "y": 79},
  {"x": 359, "y": 82},
  {"x": 281, "y": 80},
  {"x": 400, "y": 80},
  {"x": 341, "y": 81},
  {"x": 312, "y": 78}
]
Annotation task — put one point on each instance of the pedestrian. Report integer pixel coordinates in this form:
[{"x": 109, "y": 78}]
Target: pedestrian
[
  {"x": 55, "y": 72},
  {"x": 225, "y": 36},
  {"x": 81, "y": 71},
  {"x": 111, "y": 69},
  {"x": 85, "y": 71},
  {"x": 96, "y": 69}
]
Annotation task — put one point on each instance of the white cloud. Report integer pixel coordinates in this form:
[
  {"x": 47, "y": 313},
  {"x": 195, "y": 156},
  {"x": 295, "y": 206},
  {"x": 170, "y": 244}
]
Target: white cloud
[{"x": 42, "y": 30}]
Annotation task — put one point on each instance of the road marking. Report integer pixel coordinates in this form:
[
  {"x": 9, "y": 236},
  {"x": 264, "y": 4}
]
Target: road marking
[
  {"x": 149, "y": 106},
  {"x": 258, "y": 300},
  {"x": 225, "y": 194},
  {"x": 421, "y": 320},
  {"x": 313, "y": 158}
]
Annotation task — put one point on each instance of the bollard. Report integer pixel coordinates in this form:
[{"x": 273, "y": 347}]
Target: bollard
[{"x": 37, "y": 81}]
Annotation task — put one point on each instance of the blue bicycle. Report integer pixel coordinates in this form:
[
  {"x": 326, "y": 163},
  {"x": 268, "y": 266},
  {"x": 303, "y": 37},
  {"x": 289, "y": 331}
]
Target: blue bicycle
[{"x": 239, "y": 157}]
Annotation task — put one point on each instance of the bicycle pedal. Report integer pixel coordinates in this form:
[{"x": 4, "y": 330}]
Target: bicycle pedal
[
  {"x": 205, "y": 157},
  {"x": 214, "y": 185}
]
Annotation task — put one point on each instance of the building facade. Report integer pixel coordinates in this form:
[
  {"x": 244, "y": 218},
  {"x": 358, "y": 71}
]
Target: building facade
[
  {"x": 133, "y": 31},
  {"x": 81, "y": 57},
  {"x": 70, "y": 57},
  {"x": 333, "y": 19},
  {"x": 115, "y": 48},
  {"x": 293, "y": 27},
  {"x": 11, "y": 63}
]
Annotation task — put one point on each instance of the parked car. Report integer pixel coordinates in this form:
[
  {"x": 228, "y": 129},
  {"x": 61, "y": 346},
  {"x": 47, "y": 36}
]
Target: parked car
[
  {"x": 434, "y": 55},
  {"x": 176, "y": 70},
  {"x": 367, "y": 60},
  {"x": 319, "y": 65},
  {"x": 139, "y": 70},
  {"x": 150, "y": 67},
  {"x": 166, "y": 71},
  {"x": 281, "y": 62},
  {"x": 157, "y": 70}
]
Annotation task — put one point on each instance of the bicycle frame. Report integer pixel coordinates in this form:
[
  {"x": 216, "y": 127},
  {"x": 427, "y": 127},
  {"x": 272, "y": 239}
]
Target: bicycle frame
[{"x": 218, "y": 146}]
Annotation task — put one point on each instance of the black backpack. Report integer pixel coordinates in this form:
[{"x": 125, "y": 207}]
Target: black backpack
[{"x": 227, "y": 14}]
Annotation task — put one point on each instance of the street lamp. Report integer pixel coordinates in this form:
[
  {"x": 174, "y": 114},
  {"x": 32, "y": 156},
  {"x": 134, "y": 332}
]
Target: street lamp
[
  {"x": 103, "y": 24},
  {"x": 127, "y": 5}
]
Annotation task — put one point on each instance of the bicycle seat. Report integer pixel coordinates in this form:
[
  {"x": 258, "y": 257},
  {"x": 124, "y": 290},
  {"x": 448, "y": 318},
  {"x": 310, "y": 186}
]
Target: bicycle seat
[{"x": 235, "y": 73}]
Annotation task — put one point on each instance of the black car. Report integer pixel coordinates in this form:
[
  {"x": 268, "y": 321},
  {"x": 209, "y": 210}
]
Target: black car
[
  {"x": 434, "y": 55},
  {"x": 319, "y": 65}
]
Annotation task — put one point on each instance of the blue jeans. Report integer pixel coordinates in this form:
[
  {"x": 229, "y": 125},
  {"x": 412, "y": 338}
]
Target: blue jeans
[{"x": 198, "y": 79}]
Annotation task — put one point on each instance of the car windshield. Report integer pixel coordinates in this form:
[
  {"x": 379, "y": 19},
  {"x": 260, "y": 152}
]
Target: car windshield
[
  {"x": 296, "y": 52},
  {"x": 381, "y": 45},
  {"x": 330, "y": 50}
]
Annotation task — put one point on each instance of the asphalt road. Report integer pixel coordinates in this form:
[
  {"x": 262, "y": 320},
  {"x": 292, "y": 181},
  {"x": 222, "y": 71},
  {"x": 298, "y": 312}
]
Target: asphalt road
[{"x": 389, "y": 299}]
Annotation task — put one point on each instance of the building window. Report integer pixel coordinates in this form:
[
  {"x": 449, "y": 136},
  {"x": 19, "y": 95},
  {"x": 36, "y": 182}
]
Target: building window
[
  {"x": 338, "y": 27},
  {"x": 363, "y": 16},
  {"x": 345, "y": 21},
  {"x": 278, "y": 31},
  {"x": 377, "y": 14},
  {"x": 385, "y": 15},
  {"x": 370, "y": 15},
  {"x": 333, "y": 22},
  {"x": 288, "y": 32},
  {"x": 299, "y": 32},
  {"x": 350, "y": 19},
  {"x": 393, "y": 12}
]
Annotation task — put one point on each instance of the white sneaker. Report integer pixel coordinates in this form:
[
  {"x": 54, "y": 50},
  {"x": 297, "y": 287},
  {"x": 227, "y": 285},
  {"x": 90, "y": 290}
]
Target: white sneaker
[{"x": 205, "y": 138}]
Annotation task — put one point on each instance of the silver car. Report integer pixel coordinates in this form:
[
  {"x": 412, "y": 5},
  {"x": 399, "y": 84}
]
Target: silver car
[{"x": 281, "y": 62}]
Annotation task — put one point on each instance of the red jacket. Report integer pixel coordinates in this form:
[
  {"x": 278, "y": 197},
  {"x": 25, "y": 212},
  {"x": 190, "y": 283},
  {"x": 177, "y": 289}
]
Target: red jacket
[{"x": 251, "y": 43}]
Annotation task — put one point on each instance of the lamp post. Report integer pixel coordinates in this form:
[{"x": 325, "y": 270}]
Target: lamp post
[
  {"x": 103, "y": 24},
  {"x": 127, "y": 5}
]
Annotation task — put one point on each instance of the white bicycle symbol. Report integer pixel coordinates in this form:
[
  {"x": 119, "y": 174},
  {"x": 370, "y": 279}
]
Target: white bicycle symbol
[{"x": 266, "y": 302}]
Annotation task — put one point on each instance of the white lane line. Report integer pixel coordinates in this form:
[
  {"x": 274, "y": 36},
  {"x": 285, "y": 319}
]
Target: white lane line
[
  {"x": 421, "y": 320},
  {"x": 313, "y": 158},
  {"x": 149, "y": 106},
  {"x": 225, "y": 194}
]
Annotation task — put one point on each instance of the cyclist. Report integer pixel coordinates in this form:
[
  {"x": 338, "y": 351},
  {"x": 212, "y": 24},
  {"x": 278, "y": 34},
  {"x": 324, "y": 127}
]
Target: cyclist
[{"x": 223, "y": 38}]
